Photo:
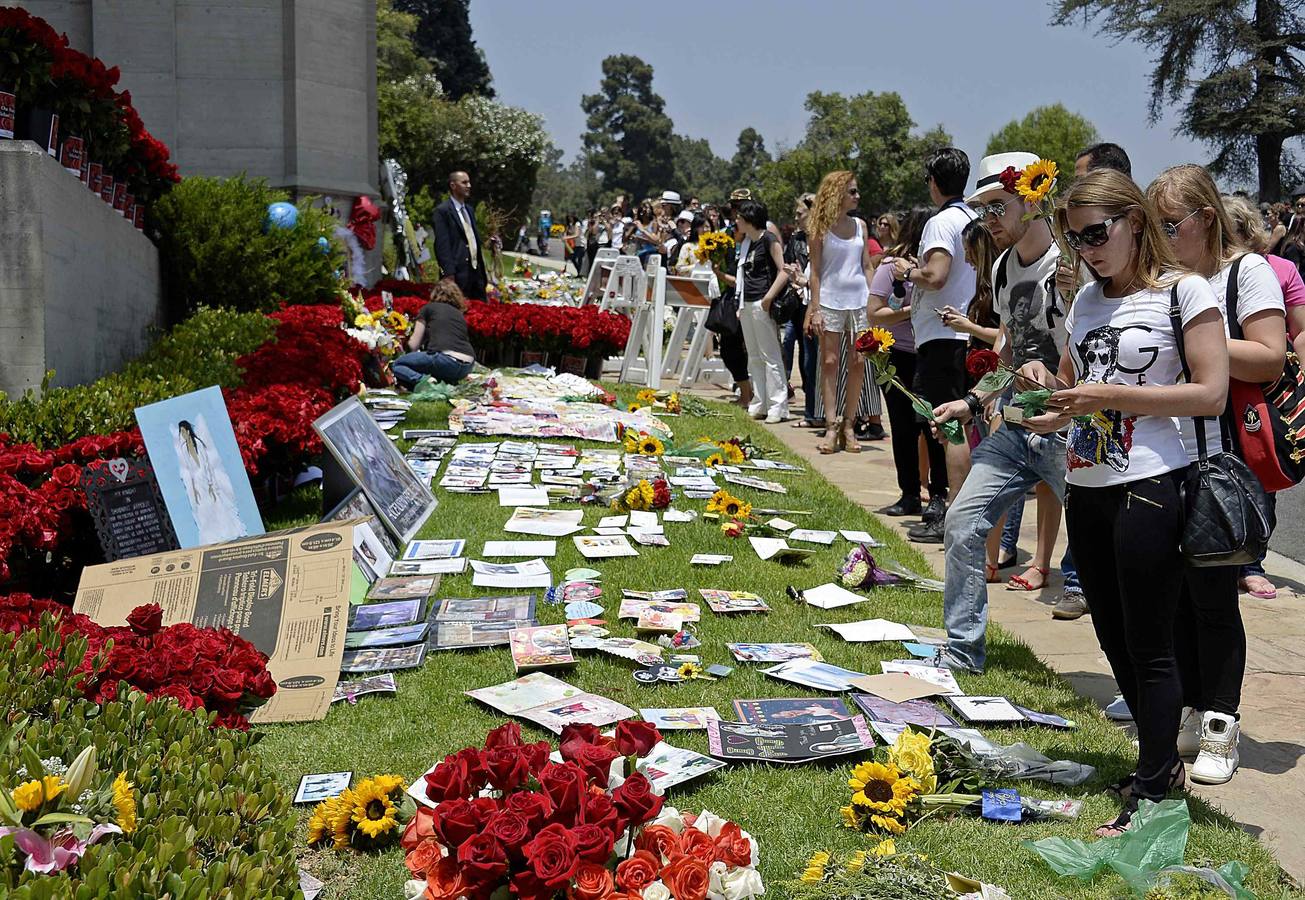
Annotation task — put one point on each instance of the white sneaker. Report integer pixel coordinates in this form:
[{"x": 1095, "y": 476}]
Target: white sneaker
[
  {"x": 776, "y": 417},
  {"x": 1218, "y": 758},
  {"x": 1189, "y": 733},
  {"x": 1118, "y": 710},
  {"x": 757, "y": 412}
]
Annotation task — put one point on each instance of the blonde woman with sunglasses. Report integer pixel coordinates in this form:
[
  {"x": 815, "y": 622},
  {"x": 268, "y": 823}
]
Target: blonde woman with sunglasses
[{"x": 1125, "y": 456}]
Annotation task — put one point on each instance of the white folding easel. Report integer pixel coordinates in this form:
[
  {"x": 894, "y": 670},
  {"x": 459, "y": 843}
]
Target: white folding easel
[
  {"x": 642, "y": 362},
  {"x": 692, "y": 296},
  {"x": 602, "y": 262}
]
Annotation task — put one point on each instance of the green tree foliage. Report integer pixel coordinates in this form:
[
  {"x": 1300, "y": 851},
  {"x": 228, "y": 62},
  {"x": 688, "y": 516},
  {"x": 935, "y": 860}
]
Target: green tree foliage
[
  {"x": 567, "y": 190},
  {"x": 431, "y": 134},
  {"x": 629, "y": 136},
  {"x": 1234, "y": 65},
  {"x": 1052, "y": 132},
  {"x": 443, "y": 36},
  {"x": 699, "y": 172},
  {"x": 870, "y": 134},
  {"x": 749, "y": 157}
]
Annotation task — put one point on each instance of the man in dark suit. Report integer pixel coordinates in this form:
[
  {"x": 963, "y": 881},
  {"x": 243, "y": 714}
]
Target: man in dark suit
[{"x": 457, "y": 242}]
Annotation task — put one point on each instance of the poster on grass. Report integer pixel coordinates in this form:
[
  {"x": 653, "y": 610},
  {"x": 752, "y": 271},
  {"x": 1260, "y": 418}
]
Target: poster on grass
[
  {"x": 371, "y": 460},
  {"x": 197, "y": 463}
]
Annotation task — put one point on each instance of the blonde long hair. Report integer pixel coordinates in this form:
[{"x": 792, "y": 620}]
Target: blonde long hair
[
  {"x": 1247, "y": 224},
  {"x": 828, "y": 205},
  {"x": 1119, "y": 195},
  {"x": 1190, "y": 187}
]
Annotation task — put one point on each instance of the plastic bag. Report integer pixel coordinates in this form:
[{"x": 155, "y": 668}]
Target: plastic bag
[
  {"x": 1156, "y": 840},
  {"x": 1228, "y": 878},
  {"x": 429, "y": 389},
  {"x": 1024, "y": 762}
]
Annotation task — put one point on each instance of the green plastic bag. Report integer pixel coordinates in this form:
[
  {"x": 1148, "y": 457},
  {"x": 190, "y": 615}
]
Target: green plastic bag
[
  {"x": 1228, "y": 878},
  {"x": 1156, "y": 840},
  {"x": 428, "y": 390}
]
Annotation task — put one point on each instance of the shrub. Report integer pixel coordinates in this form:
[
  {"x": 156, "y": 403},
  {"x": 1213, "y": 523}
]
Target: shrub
[
  {"x": 212, "y": 822},
  {"x": 197, "y": 353},
  {"x": 215, "y": 252}
]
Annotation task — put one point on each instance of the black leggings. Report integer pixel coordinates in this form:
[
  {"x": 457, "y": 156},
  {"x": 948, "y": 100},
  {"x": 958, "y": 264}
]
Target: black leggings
[
  {"x": 734, "y": 354},
  {"x": 1210, "y": 640},
  {"x": 907, "y": 428},
  {"x": 1124, "y": 540}
]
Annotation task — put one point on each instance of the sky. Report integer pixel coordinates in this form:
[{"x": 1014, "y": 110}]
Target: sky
[{"x": 726, "y": 65}]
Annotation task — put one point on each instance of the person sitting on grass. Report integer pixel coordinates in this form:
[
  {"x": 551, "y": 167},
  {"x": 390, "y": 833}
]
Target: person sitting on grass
[{"x": 439, "y": 347}]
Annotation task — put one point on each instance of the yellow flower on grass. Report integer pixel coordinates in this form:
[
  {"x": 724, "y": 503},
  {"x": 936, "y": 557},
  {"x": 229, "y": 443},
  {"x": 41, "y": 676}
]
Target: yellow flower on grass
[
  {"x": 640, "y": 496},
  {"x": 319, "y": 823},
  {"x": 850, "y": 818},
  {"x": 885, "y": 847},
  {"x": 717, "y": 502},
  {"x": 714, "y": 460},
  {"x": 881, "y": 788},
  {"x": 857, "y": 862},
  {"x": 374, "y": 813},
  {"x": 1037, "y": 180},
  {"x": 124, "y": 803},
  {"x": 673, "y": 403},
  {"x": 733, "y": 453},
  {"x": 28, "y": 796},
  {"x": 910, "y": 753},
  {"x": 635, "y": 407},
  {"x": 816, "y": 866},
  {"x": 888, "y": 824},
  {"x": 650, "y": 445},
  {"x": 647, "y": 395},
  {"x": 389, "y": 783},
  {"x": 737, "y": 509}
]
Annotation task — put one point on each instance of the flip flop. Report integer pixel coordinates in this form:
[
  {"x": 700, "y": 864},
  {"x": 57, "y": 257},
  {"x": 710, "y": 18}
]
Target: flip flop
[
  {"x": 1270, "y": 594},
  {"x": 990, "y": 573},
  {"x": 1020, "y": 583}
]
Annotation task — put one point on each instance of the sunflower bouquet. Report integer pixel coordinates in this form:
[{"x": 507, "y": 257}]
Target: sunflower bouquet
[
  {"x": 714, "y": 248},
  {"x": 369, "y": 816},
  {"x": 725, "y": 504},
  {"x": 55, "y": 810},
  {"x": 643, "y": 443},
  {"x": 643, "y": 495},
  {"x": 901, "y": 785},
  {"x": 874, "y": 344}
]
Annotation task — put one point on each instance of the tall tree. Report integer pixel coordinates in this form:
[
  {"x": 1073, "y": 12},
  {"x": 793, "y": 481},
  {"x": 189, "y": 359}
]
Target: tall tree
[
  {"x": 1052, "y": 132},
  {"x": 565, "y": 189},
  {"x": 1241, "y": 62},
  {"x": 443, "y": 36},
  {"x": 698, "y": 171},
  {"x": 629, "y": 136},
  {"x": 749, "y": 157}
]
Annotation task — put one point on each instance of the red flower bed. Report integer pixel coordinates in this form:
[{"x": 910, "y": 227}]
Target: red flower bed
[
  {"x": 201, "y": 668},
  {"x": 583, "y": 330}
]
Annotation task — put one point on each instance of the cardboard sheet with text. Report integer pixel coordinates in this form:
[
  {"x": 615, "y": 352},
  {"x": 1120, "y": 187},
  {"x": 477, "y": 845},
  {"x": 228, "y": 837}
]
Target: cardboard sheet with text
[{"x": 287, "y": 593}]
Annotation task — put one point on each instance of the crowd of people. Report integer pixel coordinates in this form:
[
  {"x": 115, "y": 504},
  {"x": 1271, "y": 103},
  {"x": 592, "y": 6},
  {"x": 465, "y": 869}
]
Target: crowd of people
[{"x": 1119, "y": 303}]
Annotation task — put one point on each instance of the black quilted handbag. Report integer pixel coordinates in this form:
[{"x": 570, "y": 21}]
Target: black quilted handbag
[{"x": 1228, "y": 519}]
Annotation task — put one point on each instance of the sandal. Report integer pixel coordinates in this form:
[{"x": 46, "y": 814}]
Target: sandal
[
  {"x": 1020, "y": 583},
  {"x": 1260, "y": 593},
  {"x": 807, "y": 423},
  {"x": 991, "y": 575},
  {"x": 834, "y": 438},
  {"x": 1122, "y": 822},
  {"x": 1009, "y": 562},
  {"x": 850, "y": 443},
  {"x": 1124, "y": 787}
]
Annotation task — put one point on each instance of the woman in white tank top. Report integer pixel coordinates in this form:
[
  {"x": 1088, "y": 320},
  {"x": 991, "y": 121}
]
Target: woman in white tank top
[{"x": 840, "y": 295}]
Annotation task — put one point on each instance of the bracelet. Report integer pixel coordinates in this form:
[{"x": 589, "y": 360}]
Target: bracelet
[
  {"x": 975, "y": 405},
  {"x": 907, "y": 276}
]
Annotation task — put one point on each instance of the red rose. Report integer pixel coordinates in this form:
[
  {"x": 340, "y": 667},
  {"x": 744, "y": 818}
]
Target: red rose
[
  {"x": 420, "y": 828},
  {"x": 423, "y": 857},
  {"x": 185, "y": 699},
  {"x": 592, "y": 882},
  {"x": 146, "y": 620},
  {"x": 1009, "y": 176},
  {"x": 574, "y": 737},
  {"x": 732, "y": 848},
  {"x": 449, "y": 781},
  {"x": 600, "y": 810},
  {"x": 506, "y": 766},
  {"x": 867, "y": 342},
  {"x": 552, "y": 856},
  {"x": 533, "y": 806},
  {"x": 537, "y": 755},
  {"x": 697, "y": 844},
  {"x": 483, "y": 860},
  {"x": 636, "y": 738},
  {"x": 687, "y": 878},
  {"x": 456, "y": 822},
  {"x": 510, "y": 830},
  {"x": 658, "y": 840},
  {"x": 593, "y": 843},
  {"x": 635, "y": 800},
  {"x": 564, "y": 784},
  {"x": 980, "y": 362},
  {"x": 637, "y": 872},
  {"x": 506, "y": 735},
  {"x": 527, "y": 886},
  {"x": 228, "y": 684},
  {"x": 596, "y": 761}
]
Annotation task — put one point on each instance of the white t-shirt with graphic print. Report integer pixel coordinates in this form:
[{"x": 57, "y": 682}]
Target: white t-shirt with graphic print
[
  {"x": 1257, "y": 290},
  {"x": 1129, "y": 340}
]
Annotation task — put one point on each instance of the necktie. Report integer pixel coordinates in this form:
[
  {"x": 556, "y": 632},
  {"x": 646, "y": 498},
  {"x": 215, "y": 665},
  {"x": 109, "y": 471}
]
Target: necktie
[{"x": 471, "y": 236}]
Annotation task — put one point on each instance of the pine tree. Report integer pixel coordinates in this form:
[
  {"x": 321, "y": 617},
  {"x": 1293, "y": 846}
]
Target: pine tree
[
  {"x": 443, "y": 36},
  {"x": 749, "y": 157},
  {"x": 629, "y": 136}
]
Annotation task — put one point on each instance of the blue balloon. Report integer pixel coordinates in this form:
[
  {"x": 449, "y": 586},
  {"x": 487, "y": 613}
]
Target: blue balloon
[
  {"x": 281, "y": 215},
  {"x": 323, "y": 246}
]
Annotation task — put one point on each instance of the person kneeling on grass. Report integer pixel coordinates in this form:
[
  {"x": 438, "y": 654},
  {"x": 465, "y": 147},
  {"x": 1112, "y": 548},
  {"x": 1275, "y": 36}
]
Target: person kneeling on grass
[{"x": 439, "y": 346}]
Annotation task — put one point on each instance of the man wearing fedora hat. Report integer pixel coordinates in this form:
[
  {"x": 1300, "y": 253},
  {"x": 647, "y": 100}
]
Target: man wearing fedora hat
[{"x": 1011, "y": 459}]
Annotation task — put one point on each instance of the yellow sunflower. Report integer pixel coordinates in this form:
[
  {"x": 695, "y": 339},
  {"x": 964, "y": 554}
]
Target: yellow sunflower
[
  {"x": 733, "y": 454},
  {"x": 1037, "y": 180},
  {"x": 857, "y": 862},
  {"x": 714, "y": 460},
  {"x": 389, "y": 783},
  {"x": 673, "y": 403},
  {"x": 717, "y": 502},
  {"x": 850, "y": 817},
  {"x": 737, "y": 509},
  {"x": 635, "y": 407},
  {"x": 816, "y": 866},
  {"x": 319, "y": 824},
  {"x": 124, "y": 802},
  {"x": 640, "y": 496},
  {"x": 881, "y": 788},
  {"x": 888, "y": 824},
  {"x": 885, "y": 847},
  {"x": 650, "y": 445},
  {"x": 374, "y": 813},
  {"x": 884, "y": 336},
  {"x": 647, "y": 396}
]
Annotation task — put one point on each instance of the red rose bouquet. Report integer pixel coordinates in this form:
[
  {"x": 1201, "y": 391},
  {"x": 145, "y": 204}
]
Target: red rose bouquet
[{"x": 506, "y": 818}]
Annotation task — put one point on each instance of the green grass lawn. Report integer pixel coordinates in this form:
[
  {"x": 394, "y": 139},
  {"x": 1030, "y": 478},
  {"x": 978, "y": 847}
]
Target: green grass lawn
[{"x": 792, "y": 810}]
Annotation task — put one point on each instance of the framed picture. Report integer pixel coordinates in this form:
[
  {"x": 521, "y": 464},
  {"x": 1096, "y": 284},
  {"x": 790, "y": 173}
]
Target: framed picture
[
  {"x": 402, "y": 501},
  {"x": 357, "y": 506}
]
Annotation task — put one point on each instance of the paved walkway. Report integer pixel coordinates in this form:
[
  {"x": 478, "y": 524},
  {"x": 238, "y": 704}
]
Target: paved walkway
[{"x": 1265, "y": 796}]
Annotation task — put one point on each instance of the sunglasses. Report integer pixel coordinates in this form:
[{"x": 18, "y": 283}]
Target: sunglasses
[
  {"x": 996, "y": 210},
  {"x": 1092, "y": 236},
  {"x": 1171, "y": 228},
  {"x": 854, "y": 192}
]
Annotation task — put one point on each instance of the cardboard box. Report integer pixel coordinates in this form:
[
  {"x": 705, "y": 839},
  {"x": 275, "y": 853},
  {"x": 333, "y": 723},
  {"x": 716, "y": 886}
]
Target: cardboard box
[{"x": 287, "y": 593}]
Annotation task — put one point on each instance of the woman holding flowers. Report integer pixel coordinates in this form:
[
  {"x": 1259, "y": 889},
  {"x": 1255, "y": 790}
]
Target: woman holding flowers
[
  {"x": 439, "y": 347},
  {"x": 1126, "y": 461},
  {"x": 1211, "y": 640},
  {"x": 840, "y": 291}
]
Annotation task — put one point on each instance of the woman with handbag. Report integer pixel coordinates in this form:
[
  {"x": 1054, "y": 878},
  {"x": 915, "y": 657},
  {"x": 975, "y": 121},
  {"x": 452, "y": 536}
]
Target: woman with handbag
[
  {"x": 838, "y": 308},
  {"x": 759, "y": 280},
  {"x": 1211, "y": 640},
  {"x": 1124, "y": 502}
]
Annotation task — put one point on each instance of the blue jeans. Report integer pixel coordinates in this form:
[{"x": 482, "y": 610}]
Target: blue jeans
[
  {"x": 410, "y": 367},
  {"x": 808, "y": 358},
  {"x": 1010, "y": 535},
  {"x": 1003, "y": 467}
]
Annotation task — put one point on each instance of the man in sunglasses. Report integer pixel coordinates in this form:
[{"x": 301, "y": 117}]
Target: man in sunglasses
[{"x": 1011, "y": 459}]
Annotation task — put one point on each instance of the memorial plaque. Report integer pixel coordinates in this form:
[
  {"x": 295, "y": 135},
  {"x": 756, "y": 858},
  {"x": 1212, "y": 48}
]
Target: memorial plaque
[{"x": 124, "y": 501}]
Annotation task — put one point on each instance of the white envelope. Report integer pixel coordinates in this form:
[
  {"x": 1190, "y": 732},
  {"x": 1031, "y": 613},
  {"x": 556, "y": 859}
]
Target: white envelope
[
  {"x": 674, "y": 515},
  {"x": 781, "y": 524},
  {"x": 831, "y": 596},
  {"x": 812, "y": 536},
  {"x": 872, "y": 630},
  {"x": 520, "y": 548},
  {"x": 513, "y": 496},
  {"x": 613, "y": 521},
  {"x": 767, "y": 547},
  {"x": 643, "y": 520},
  {"x": 859, "y": 537}
]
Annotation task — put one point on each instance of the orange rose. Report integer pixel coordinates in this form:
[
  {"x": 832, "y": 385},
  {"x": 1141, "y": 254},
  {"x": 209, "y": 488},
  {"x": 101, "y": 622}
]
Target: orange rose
[
  {"x": 687, "y": 878},
  {"x": 424, "y": 857},
  {"x": 698, "y": 844},
  {"x": 658, "y": 840},
  {"x": 444, "y": 881},
  {"x": 592, "y": 882},
  {"x": 732, "y": 847},
  {"x": 637, "y": 872},
  {"x": 420, "y": 827}
]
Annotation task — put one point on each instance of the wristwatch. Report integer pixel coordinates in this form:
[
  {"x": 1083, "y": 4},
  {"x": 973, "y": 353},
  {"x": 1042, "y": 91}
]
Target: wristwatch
[
  {"x": 907, "y": 276},
  {"x": 975, "y": 405}
]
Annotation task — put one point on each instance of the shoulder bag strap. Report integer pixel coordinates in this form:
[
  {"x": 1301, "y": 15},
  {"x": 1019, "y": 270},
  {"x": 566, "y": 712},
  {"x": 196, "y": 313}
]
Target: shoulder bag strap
[
  {"x": 1227, "y": 428},
  {"x": 1176, "y": 319}
]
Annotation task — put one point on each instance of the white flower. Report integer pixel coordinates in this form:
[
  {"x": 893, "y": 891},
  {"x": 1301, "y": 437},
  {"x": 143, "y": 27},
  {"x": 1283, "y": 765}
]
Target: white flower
[
  {"x": 710, "y": 823},
  {"x": 412, "y": 890},
  {"x": 656, "y": 891},
  {"x": 740, "y": 883},
  {"x": 671, "y": 818}
]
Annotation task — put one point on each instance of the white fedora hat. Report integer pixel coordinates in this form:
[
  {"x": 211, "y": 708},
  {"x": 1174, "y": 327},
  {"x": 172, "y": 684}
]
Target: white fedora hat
[
  {"x": 991, "y": 167},
  {"x": 671, "y": 197}
]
